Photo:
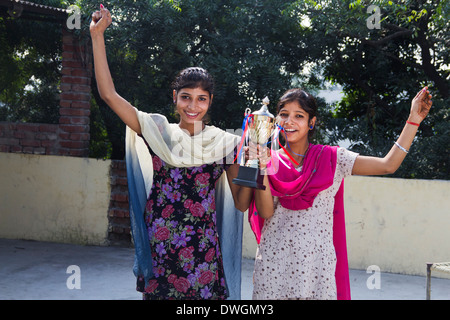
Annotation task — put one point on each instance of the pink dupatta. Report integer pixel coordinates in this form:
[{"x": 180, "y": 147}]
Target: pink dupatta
[{"x": 297, "y": 191}]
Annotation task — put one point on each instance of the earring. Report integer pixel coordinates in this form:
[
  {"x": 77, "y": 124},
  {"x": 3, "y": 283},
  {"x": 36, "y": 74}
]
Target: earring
[{"x": 311, "y": 127}]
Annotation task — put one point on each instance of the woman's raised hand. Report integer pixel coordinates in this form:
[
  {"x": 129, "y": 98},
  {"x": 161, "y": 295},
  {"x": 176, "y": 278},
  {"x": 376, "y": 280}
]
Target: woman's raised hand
[
  {"x": 101, "y": 19},
  {"x": 420, "y": 106}
]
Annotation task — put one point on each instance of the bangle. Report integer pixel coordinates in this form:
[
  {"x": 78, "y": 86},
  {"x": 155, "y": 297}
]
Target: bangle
[
  {"x": 413, "y": 123},
  {"x": 400, "y": 147}
]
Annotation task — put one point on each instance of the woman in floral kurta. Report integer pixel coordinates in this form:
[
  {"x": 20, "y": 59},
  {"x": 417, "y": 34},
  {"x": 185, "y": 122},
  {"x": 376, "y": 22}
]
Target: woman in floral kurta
[
  {"x": 181, "y": 258},
  {"x": 181, "y": 219}
]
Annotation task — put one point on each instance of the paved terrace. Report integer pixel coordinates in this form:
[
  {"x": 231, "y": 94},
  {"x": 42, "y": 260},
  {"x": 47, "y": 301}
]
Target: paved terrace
[{"x": 32, "y": 270}]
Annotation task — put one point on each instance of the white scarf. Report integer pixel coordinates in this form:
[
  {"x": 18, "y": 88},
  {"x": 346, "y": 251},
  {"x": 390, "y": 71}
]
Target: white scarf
[{"x": 176, "y": 147}]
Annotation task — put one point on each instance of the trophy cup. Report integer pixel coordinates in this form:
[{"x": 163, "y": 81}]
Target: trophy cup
[{"x": 260, "y": 127}]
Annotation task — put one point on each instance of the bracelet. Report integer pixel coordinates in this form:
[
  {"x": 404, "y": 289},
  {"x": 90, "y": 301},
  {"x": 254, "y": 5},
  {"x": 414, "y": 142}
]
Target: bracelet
[
  {"x": 400, "y": 147},
  {"x": 413, "y": 123}
]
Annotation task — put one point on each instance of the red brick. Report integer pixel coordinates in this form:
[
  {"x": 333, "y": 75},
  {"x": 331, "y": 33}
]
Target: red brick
[
  {"x": 17, "y": 148},
  {"x": 64, "y": 120},
  {"x": 121, "y": 164},
  {"x": 116, "y": 229},
  {"x": 27, "y": 127},
  {"x": 67, "y": 71},
  {"x": 9, "y": 141},
  {"x": 48, "y": 143},
  {"x": 67, "y": 38},
  {"x": 119, "y": 197},
  {"x": 121, "y": 204},
  {"x": 65, "y": 87},
  {"x": 74, "y": 128},
  {"x": 79, "y": 120},
  {"x": 73, "y": 144},
  {"x": 73, "y": 48},
  {"x": 63, "y": 152},
  {"x": 39, "y": 150},
  {"x": 48, "y": 127},
  {"x": 64, "y": 135},
  {"x": 81, "y": 104},
  {"x": 51, "y": 151},
  {"x": 30, "y": 143},
  {"x": 67, "y": 55},
  {"x": 75, "y": 80},
  {"x": 79, "y": 96},
  {"x": 79, "y": 136},
  {"x": 72, "y": 64},
  {"x": 79, "y": 152},
  {"x": 81, "y": 88},
  {"x": 74, "y": 120},
  {"x": 74, "y": 112},
  {"x": 121, "y": 181},
  {"x": 46, "y": 136},
  {"x": 80, "y": 72},
  {"x": 9, "y": 126},
  {"x": 21, "y": 134},
  {"x": 119, "y": 213},
  {"x": 65, "y": 103},
  {"x": 121, "y": 172}
]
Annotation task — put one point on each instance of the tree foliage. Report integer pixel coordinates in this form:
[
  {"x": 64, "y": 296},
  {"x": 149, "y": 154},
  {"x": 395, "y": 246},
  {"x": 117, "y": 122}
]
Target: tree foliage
[
  {"x": 30, "y": 65},
  {"x": 248, "y": 46},
  {"x": 258, "y": 48},
  {"x": 381, "y": 70}
]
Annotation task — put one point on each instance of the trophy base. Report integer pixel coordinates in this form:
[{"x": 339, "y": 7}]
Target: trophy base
[{"x": 250, "y": 177}]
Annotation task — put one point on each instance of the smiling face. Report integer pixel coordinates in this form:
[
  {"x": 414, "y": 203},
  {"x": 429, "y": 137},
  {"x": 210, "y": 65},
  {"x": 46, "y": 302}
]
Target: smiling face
[
  {"x": 192, "y": 105},
  {"x": 295, "y": 121}
]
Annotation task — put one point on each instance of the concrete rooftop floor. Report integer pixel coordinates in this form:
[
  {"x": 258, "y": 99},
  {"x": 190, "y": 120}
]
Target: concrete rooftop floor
[{"x": 32, "y": 270}]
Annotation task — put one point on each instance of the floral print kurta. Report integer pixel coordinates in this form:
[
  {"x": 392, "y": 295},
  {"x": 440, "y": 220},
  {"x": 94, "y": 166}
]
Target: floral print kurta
[{"x": 181, "y": 220}]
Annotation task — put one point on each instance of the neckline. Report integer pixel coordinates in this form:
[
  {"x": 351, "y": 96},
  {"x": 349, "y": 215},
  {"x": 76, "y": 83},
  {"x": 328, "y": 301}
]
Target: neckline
[{"x": 186, "y": 131}]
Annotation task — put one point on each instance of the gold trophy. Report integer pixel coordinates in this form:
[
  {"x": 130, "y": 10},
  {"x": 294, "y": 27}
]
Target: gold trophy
[{"x": 260, "y": 127}]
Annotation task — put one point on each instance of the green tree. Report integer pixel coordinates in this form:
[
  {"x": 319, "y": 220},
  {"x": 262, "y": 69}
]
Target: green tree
[
  {"x": 258, "y": 48},
  {"x": 248, "y": 46},
  {"x": 30, "y": 64},
  {"x": 380, "y": 71}
]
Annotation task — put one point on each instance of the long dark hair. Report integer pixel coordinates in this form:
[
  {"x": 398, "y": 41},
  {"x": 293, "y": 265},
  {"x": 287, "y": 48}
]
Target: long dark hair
[{"x": 304, "y": 99}]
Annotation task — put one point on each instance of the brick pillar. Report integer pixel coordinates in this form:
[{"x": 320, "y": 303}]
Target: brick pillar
[
  {"x": 118, "y": 213},
  {"x": 75, "y": 97}
]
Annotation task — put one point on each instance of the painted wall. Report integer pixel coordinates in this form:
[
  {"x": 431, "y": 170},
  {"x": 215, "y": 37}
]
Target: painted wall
[
  {"x": 396, "y": 224},
  {"x": 54, "y": 198}
]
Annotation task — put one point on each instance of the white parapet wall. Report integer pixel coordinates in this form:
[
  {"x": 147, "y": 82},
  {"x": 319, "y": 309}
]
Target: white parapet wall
[
  {"x": 54, "y": 198},
  {"x": 397, "y": 225}
]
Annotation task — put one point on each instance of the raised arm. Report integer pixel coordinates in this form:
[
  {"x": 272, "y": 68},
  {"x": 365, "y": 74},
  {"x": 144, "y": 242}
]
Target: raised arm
[
  {"x": 100, "y": 21},
  {"x": 365, "y": 165}
]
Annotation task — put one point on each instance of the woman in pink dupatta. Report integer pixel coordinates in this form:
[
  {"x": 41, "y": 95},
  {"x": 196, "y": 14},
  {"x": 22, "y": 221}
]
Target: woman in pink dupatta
[{"x": 298, "y": 220}]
